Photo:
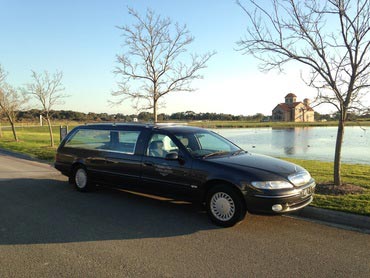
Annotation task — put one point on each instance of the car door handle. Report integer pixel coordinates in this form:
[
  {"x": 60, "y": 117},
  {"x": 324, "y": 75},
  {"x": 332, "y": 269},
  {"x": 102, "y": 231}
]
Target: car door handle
[
  {"x": 148, "y": 163},
  {"x": 97, "y": 160}
]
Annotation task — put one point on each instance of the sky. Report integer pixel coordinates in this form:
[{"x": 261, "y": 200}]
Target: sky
[{"x": 81, "y": 39}]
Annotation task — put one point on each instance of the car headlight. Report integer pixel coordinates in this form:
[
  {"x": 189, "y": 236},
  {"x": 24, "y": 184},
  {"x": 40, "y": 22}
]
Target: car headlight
[
  {"x": 271, "y": 184},
  {"x": 300, "y": 178}
]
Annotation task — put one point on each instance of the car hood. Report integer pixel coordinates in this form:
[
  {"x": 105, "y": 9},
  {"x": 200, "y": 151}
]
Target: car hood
[{"x": 258, "y": 162}]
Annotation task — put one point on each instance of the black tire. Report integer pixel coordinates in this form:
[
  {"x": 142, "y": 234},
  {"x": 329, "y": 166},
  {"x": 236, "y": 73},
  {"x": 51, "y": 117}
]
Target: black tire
[
  {"x": 225, "y": 206},
  {"x": 80, "y": 179}
]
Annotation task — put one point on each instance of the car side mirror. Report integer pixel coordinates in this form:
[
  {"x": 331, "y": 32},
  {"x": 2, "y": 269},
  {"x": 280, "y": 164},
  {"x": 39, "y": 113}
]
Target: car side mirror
[{"x": 172, "y": 156}]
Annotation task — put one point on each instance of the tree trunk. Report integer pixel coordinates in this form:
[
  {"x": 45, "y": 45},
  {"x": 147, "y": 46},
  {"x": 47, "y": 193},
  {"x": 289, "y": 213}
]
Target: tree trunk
[
  {"x": 14, "y": 131},
  {"x": 338, "y": 152},
  {"x": 11, "y": 121},
  {"x": 1, "y": 131},
  {"x": 50, "y": 131},
  {"x": 155, "y": 111}
]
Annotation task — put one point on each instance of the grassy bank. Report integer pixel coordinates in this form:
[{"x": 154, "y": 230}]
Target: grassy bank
[
  {"x": 34, "y": 141},
  {"x": 353, "y": 174}
]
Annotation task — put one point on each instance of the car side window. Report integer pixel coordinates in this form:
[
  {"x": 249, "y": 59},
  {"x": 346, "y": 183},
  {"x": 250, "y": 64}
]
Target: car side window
[
  {"x": 160, "y": 145},
  {"x": 122, "y": 141},
  {"x": 106, "y": 140},
  {"x": 209, "y": 142},
  {"x": 90, "y": 139},
  {"x": 189, "y": 142}
]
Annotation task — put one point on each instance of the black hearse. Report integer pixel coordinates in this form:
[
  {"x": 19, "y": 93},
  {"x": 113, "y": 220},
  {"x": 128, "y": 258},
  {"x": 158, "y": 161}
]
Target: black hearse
[{"x": 230, "y": 181}]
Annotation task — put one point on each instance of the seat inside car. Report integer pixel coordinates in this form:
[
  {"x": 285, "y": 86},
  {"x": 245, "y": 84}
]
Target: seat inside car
[
  {"x": 185, "y": 141},
  {"x": 156, "y": 149}
]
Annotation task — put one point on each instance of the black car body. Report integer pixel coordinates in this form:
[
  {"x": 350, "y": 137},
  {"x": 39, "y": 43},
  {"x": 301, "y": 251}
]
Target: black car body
[{"x": 229, "y": 180}]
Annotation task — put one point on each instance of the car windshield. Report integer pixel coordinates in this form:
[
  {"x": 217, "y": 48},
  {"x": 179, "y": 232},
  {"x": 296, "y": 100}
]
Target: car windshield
[{"x": 207, "y": 144}]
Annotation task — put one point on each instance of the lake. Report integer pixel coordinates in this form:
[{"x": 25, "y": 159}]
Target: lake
[{"x": 313, "y": 143}]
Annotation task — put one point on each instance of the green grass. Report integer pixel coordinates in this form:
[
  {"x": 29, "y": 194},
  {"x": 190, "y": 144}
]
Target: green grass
[
  {"x": 357, "y": 174},
  {"x": 351, "y": 173},
  {"x": 34, "y": 141}
]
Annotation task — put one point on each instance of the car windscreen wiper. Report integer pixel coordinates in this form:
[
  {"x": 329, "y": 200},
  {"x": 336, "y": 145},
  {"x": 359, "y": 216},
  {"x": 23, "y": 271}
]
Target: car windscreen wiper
[
  {"x": 215, "y": 153},
  {"x": 239, "y": 152}
]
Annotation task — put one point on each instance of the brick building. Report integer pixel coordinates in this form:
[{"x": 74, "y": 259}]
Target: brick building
[{"x": 293, "y": 111}]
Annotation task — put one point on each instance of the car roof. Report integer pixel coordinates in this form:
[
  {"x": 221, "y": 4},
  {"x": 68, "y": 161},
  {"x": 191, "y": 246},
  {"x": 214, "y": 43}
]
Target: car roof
[
  {"x": 173, "y": 128},
  {"x": 109, "y": 125},
  {"x": 178, "y": 128}
]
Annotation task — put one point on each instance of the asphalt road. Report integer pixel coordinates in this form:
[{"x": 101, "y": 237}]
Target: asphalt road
[{"x": 47, "y": 229}]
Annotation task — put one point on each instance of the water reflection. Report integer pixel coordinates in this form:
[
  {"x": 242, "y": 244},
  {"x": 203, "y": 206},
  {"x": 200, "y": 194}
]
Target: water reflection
[
  {"x": 315, "y": 143},
  {"x": 291, "y": 140}
]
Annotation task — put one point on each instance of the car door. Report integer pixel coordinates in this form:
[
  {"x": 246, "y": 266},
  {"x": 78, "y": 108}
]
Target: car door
[
  {"x": 157, "y": 170},
  {"x": 122, "y": 161}
]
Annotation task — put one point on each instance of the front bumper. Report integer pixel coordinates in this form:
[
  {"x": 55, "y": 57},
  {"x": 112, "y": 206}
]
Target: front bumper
[{"x": 296, "y": 200}]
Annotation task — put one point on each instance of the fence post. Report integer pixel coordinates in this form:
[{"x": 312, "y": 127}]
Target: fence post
[{"x": 63, "y": 131}]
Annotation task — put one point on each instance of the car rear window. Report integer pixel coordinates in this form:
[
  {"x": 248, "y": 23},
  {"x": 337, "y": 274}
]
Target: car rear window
[{"x": 106, "y": 140}]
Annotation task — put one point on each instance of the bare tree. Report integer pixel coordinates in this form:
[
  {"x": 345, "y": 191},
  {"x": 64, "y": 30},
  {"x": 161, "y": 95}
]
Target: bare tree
[
  {"x": 331, "y": 38},
  {"x": 1, "y": 127},
  {"x": 3, "y": 75},
  {"x": 11, "y": 101},
  {"x": 151, "y": 67},
  {"x": 47, "y": 89}
]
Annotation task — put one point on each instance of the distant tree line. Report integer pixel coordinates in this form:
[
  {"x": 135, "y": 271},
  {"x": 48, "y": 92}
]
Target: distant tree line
[
  {"x": 33, "y": 115},
  {"x": 68, "y": 115},
  {"x": 336, "y": 116}
]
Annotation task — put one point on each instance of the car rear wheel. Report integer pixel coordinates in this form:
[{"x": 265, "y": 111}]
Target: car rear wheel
[
  {"x": 81, "y": 179},
  {"x": 225, "y": 206}
]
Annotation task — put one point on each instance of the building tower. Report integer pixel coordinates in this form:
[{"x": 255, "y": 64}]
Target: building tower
[{"x": 290, "y": 99}]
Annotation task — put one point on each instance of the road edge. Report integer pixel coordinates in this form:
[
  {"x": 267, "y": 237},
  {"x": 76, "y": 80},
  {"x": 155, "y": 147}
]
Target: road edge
[
  {"x": 23, "y": 156},
  {"x": 338, "y": 218}
]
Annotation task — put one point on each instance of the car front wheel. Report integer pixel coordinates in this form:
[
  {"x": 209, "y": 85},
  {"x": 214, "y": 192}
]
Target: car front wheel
[{"x": 225, "y": 206}]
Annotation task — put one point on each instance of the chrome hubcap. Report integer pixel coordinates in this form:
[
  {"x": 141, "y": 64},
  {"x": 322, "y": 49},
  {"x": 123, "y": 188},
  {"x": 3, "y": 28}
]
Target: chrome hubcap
[
  {"x": 222, "y": 206},
  {"x": 81, "y": 178}
]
